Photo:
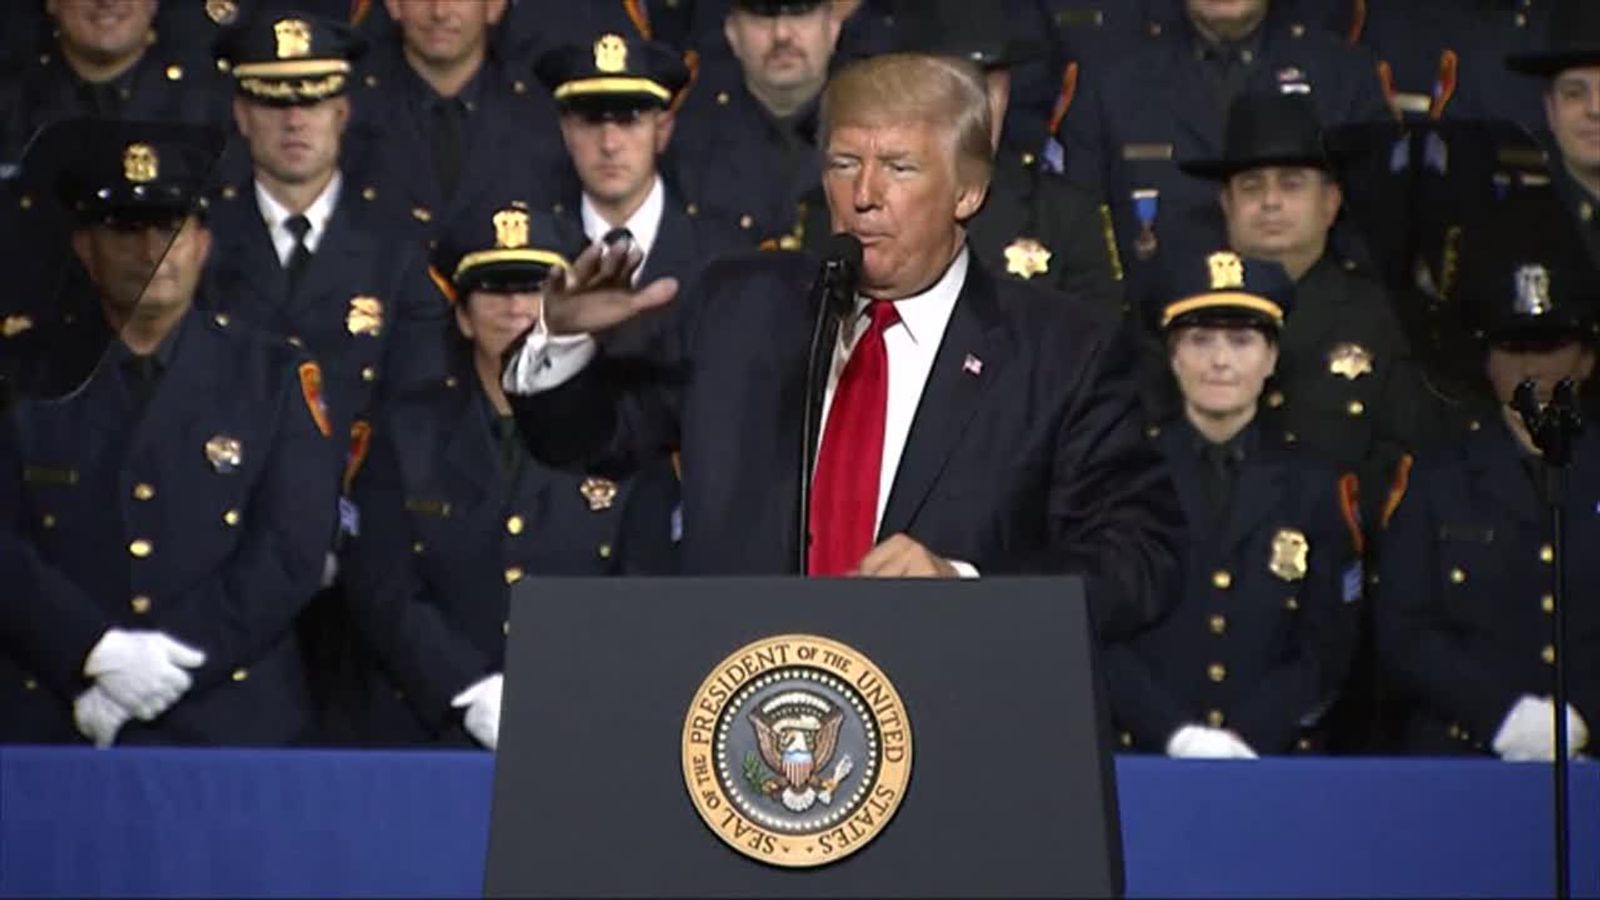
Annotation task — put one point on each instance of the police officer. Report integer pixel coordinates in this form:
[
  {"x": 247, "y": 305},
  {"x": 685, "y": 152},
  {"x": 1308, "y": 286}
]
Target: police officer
[
  {"x": 1569, "y": 64},
  {"x": 445, "y": 126},
  {"x": 302, "y": 252},
  {"x": 1255, "y": 653},
  {"x": 1347, "y": 385},
  {"x": 454, "y": 512},
  {"x": 1469, "y": 563},
  {"x": 1034, "y": 224},
  {"x": 616, "y": 96},
  {"x": 745, "y": 146},
  {"x": 1130, "y": 122},
  {"x": 176, "y": 509},
  {"x": 106, "y": 60}
]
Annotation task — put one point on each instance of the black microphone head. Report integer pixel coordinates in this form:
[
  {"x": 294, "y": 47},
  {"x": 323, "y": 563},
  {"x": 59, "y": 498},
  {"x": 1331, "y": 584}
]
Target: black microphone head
[
  {"x": 1525, "y": 400},
  {"x": 843, "y": 247}
]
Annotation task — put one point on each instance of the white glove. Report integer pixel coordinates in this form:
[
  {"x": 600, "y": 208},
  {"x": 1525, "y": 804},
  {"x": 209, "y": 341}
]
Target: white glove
[
  {"x": 1197, "y": 742},
  {"x": 1528, "y": 733},
  {"x": 98, "y": 717},
  {"x": 142, "y": 671},
  {"x": 482, "y": 703}
]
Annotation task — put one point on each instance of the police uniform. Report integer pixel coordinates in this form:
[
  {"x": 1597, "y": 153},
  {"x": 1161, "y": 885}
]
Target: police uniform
[
  {"x": 1346, "y": 386},
  {"x": 455, "y": 512},
  {"x": 734, "y": 158},
  {"x": 362, "y": 303},
  {"x": 1130, "y": 122},
  {"x": 166, "y": 84},
  {"x": 449, "y": 160},
  {"x": 612, "y": 78},
  {"x": 183, "y": 492},
  {"x": 1261, "y": 640},
  {"x": 1469, "y": 563}
]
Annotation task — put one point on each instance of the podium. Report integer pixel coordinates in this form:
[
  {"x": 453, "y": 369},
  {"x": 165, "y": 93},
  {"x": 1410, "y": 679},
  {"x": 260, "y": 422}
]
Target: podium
[{"x": 789, "y": 737}]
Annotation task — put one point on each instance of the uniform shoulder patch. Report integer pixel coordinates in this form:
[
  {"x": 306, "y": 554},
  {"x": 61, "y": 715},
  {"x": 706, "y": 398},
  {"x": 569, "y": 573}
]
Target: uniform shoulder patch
[
  {"x": 360, "y": 445},
  {"x": 1444, "y": 86},
  {"x": 1069, "y": 92},
  {"x": 444, "y": 285},
  {"x": 1397, "y": 490},
  {"x": 311, "y": 389},
  {"x": 1350, "y": 509},
  {"x": 691, "y": 60}
]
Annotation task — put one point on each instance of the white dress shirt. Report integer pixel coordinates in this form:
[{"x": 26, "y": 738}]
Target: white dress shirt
[
  {"x": 547, "y": 362},
  {"x": 275, "y": 214},
  {"x": 644, "y": 224}
]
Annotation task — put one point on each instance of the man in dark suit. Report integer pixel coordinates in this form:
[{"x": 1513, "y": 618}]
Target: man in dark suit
[
  {"x": 446, "y": 127},
  {"x": 301, "y": 253},
  {"x": 1470, "y": 566},
  {"x": 970, "y": 425},
  {"x": 173, "y": 514},
  {"x": 616, "y": 96},
  {"x": 1131, "y": 121},
  {"x": 1256, "y": 651},
  {"x": 455, "y": 513}
]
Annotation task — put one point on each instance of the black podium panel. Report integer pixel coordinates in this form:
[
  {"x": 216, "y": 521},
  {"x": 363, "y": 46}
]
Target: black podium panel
[{"x": 1011, "y": 788}]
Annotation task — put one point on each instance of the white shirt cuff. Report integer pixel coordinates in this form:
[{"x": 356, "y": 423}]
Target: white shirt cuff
[
  {"x": 964, "y": 569},
  {"x": 547, "y": 361}
]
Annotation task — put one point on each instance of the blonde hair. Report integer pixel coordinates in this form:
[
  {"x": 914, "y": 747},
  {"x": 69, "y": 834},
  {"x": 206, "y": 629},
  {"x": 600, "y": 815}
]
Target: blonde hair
[{"x": 897, "y": 88}]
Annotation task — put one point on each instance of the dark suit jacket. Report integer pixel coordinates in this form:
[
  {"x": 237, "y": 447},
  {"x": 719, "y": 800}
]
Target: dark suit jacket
[
  {"x": 1034, "y": 464},
  {"x": 1285, "y": 643},
  {"x": 234, "y": 551}
]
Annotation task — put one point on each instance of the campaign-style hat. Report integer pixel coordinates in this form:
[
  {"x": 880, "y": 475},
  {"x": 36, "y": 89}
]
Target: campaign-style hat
[
  {"x": 515, "y": 250},
  {"x": 1266, "y": 129},
  {"x": 290, "y": 59},
  {"x": 1524, "y": 274},
  {"x": 132, "y": 171},
  {"x": 1222, "y": 288},
  {"x": 613, "y": 72},
  {"x": 973, "y": 30},
  {"x": 1574, "y": 40},
  {"x": 777, "y": 7}
]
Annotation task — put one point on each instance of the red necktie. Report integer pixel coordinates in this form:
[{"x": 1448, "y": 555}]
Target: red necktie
[{"x": 844, "y": 489}]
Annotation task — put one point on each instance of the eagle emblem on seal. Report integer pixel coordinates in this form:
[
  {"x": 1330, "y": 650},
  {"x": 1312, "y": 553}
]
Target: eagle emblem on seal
[{"x": 797, "y": 733}]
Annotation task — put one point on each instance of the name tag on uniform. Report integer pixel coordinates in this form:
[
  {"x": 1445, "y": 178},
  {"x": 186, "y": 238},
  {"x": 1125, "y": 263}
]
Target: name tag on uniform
[
  {"x": 429, "y": 507},
  {"x": 49, "y": 475},
  {"x": 1078, "y": 18},
  {"x": 1466, "y": 533},
  {"x": 1147, "y": 152}
]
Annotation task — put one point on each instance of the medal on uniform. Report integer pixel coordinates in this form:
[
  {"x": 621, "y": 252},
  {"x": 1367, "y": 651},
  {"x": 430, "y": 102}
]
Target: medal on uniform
[
  {"x": 222, "y": 12},
  {"x": 599, "y": 492},
  {"x": 1146, "y": 203},
  {"x": 1293, "y": 81},
  {"x": 365, "y": 316},
  {"x": 226, "y": 454},
  {"x": 1026, "y": 257},
  {"x": 1289, "y": 552},
  {"x": 12, "y": 326},
  {"x": 1350, "y": 361}
]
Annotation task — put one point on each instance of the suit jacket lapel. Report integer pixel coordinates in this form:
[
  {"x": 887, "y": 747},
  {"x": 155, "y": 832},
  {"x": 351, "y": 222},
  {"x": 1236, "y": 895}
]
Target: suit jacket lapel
[{"x": 950, "y": 398}]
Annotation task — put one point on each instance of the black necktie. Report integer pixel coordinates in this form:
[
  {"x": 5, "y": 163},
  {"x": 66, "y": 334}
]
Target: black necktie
[
  {"x": 1221, "y": 467},
  {"x": 511, "y": 453},
  {"x": 445, "y": 135},
  {"x": 616, "y": 236},
  {"x": 143, "y": 374},
  {"x": 300, "y": 257}
]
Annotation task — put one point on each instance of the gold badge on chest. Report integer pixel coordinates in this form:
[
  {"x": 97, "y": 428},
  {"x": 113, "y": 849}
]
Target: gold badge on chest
[
  {"x": 601, "y": 493},
  {"x": 222, "y": 12},
  {"x": 225, "y": 453},
  {"x": 365, "y": 315},
  {"x": 1350, "y": 361},
  {"x": 1289, "y": 552},
  {"x": 1026, "y": 257}
]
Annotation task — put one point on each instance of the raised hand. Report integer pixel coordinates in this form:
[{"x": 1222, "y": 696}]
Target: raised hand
[{"x": 598, "y": 292}]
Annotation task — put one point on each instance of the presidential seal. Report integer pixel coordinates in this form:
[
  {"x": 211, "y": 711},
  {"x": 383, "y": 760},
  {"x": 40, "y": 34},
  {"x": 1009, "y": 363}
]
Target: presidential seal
[{"x": 797, "y": 750}]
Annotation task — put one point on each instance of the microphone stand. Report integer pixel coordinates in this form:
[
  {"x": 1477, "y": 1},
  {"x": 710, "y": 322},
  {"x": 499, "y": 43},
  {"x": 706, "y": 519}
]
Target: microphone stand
[
  {"x": 834, "y": 289},
  {"x": 1553, "y": 429}
]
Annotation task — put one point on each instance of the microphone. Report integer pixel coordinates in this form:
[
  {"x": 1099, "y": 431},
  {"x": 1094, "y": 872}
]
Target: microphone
[
  {"x": 834, "y": 293},
  {"x": 1525, "y": 402},
  {"x": 841, "y": 272}
]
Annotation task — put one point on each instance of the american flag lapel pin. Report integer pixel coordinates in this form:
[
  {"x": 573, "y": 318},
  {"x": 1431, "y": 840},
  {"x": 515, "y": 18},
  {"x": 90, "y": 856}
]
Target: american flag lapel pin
[{"x": 972, "y": 365}]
